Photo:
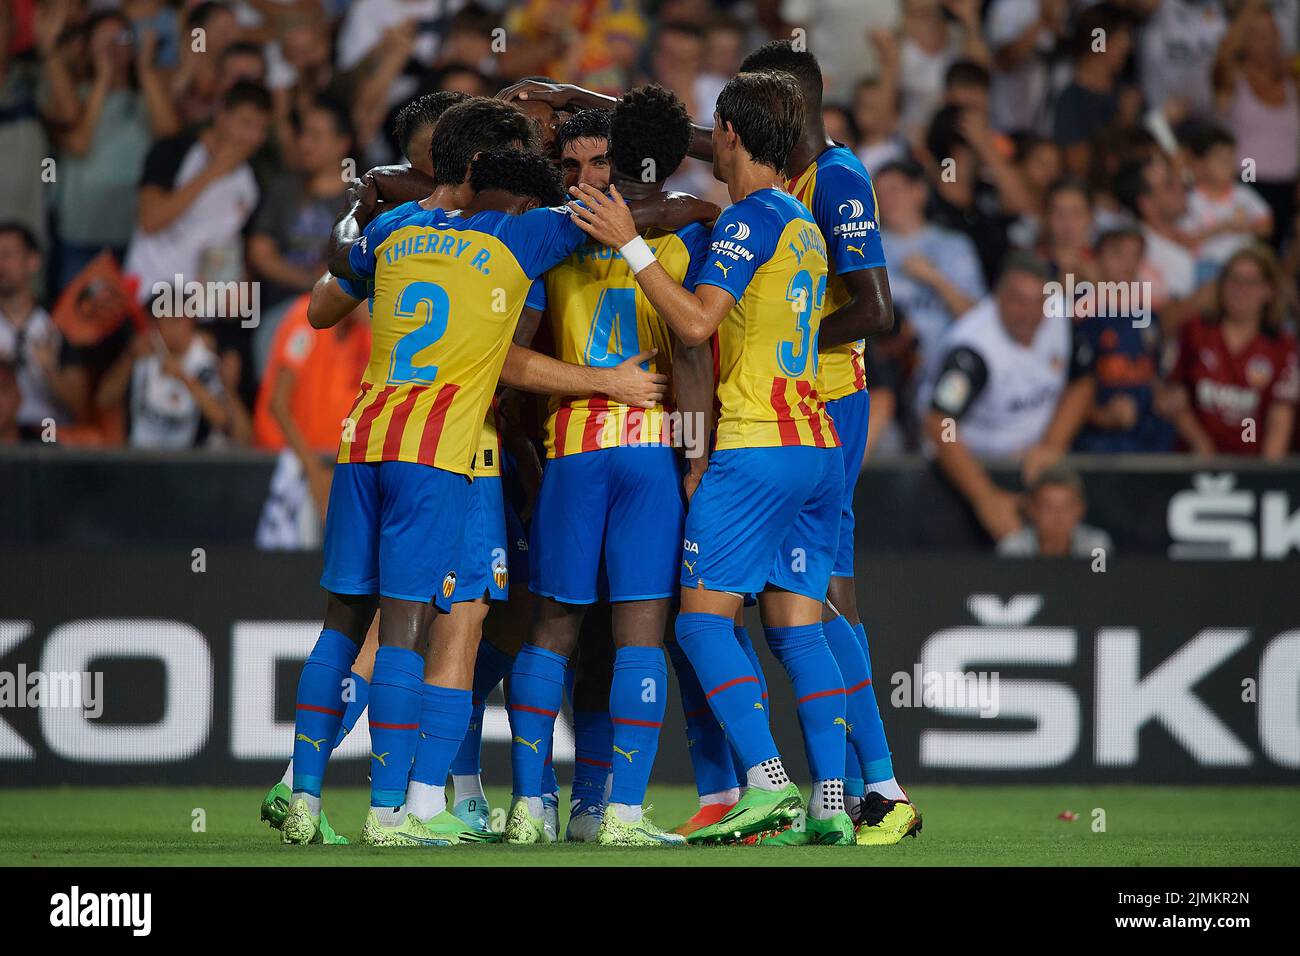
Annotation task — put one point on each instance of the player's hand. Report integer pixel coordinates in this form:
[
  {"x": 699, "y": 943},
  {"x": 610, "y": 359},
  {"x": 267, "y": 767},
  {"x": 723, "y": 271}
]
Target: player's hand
[
  {"x": 999, "y": 513},
  {"x": 691, "y": 482},
  {"x": 1036, "y": 461},
  {"x": 554, "y": 95},
  {"x": 1121, "y": 412},
  {"x": 678, "y": 209},
  {"x": 364, "y": 194},
  {"x": 629, "y": 384},
  {"x": 605, "y": 218}
]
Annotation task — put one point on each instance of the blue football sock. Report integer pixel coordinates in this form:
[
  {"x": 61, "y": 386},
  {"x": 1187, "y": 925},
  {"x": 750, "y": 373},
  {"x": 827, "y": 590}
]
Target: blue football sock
[
  {"x": 858, "y": 696},
  {"x": 320, "y": 708},
  {"x": 729, "y": 682},
  {"x": 637, "y": 698},
  {"x": 819, "y": 695},
  {"x": 444, "y": 715},
  {"x": 490, "y": 666},
  {"x": 395, "y": 694},
  {"x": 854, "y": 786},
  {"x": 352, "y": 712},
  {"x": 876, "y": 764},
  {"x": 536, "y": 691},
  {"x": 746, "y": 645},
  {"x": 549, "y": 782},
  {"x": 711, "y": 755},
  {"x": 593, "y": 743}
]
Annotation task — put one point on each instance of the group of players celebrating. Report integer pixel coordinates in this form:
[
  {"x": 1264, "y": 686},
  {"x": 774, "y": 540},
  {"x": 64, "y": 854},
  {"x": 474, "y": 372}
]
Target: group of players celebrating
[{"x": 663, "y": 313}]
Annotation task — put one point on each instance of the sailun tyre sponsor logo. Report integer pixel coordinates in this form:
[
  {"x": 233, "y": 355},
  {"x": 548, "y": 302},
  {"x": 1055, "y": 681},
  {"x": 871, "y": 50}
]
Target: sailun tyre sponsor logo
[
  {"x": 741, "y": 232},
  {"x": 855, "y": 208}
]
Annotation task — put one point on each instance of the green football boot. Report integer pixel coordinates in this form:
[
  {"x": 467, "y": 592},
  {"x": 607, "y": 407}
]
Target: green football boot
[
  {"x": 522, "y": 828},
  {"x": 757, "y": 811},
  {"x": 614, "y": 832},
  {"x": 411, "y": 832},
  {"x": 448, "y": 825},
  {"x": 275, "y": 805}
]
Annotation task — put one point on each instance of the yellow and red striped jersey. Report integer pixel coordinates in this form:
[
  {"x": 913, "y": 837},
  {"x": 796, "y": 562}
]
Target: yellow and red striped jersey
[
  {"x": 448, "y": 290},
  {"x": 767, "y": 252},
  {"x": 838, "y": 191},
  {"x": 600, "y": 317}
]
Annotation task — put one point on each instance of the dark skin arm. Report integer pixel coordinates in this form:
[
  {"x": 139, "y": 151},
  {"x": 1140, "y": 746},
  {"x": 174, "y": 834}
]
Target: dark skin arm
[
  {"x": 870, "y": 311},
  {"x": 693, "y": 389}
]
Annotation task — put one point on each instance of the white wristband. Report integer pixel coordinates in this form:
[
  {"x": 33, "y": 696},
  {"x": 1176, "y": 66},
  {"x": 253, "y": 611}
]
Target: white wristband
[{"x": 637, "y": 254}]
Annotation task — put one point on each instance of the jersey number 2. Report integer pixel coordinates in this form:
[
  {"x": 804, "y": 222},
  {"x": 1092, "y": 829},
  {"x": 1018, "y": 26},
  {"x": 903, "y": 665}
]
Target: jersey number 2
[{"x": 433, "y": 298}]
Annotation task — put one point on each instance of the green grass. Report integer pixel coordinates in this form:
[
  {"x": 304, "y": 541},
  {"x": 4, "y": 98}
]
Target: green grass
[{"x": 964, "y": 826}]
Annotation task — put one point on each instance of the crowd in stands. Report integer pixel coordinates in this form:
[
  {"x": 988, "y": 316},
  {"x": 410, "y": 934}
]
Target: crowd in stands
[{"x": 1139, "y": 156}]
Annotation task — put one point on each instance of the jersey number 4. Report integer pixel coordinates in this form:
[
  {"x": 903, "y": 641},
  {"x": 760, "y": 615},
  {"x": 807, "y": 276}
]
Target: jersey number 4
[
  {"x": 402, "y": 369},
  {"x": 613, "y": 336}
]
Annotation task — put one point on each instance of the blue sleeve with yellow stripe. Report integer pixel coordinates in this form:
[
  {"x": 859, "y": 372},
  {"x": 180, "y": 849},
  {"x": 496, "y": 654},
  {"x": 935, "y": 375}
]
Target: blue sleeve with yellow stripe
[
  {"x": 744, "y": 238},
  {"x": 696, "y": 240},
  {"x": 844, "y": 205},
  {"x": 541, "y": 238}
]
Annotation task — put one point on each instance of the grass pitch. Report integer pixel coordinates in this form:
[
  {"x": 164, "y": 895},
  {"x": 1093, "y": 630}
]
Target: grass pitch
[{"x": 963, "y": 826}]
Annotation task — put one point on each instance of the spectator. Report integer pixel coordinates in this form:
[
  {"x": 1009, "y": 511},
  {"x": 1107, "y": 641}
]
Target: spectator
[
  {"x": 1115, "y": 401},
  {"x": 22, "y": 137},
  {"x": 197, "y": 194},
  {"x": 1235, "y": 371},
  {"x": 1037, "y": 164},
  {"x": 996, "y": 389},
  {"x": 875, "y": 117},
  {"x": 962, "y": 199},
  {"x": 966, "y": 85},
  {"x": 724, "y": 48},
  {"x": 290, "y": 233},
  {"x": 1177, "y": 50},
  {"x": 840, "y": 126},
  {"x": 29, "y": 341},
  {"x": 1066, "y": 240},
  {"x": 1055, "y": 507},
  {"x": 103, "y": 129},
  {"x": 1021, "y": 35},
  {"x": 206, "y": 73},
  {"x": 172, "y": 388},
  {"x": 1152, "y": 191},
  {"x": 936, "y": 275},
  {"x": 309, "y": 385},
  {"x": 1091, "y": 102},
  {"x": 1223, "y": 213},
  {"x": 1255, "y": 87},
  {"x": 931, "y": 43},
  {"x": 834, "y": 30}
]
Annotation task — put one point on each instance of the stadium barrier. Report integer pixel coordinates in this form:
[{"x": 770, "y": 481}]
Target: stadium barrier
[
  {"x": 163, "y": 665},
  {"x": 1158, "y": 505}
]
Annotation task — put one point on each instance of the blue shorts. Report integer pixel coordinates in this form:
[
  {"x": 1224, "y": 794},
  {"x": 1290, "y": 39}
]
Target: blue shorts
[
  {"x": 623, "y": 505},
  {"x": 484, "y": 566},
  {"x": 765, "y": 516},
  {"x": 395, "y": 528},
  {"x": 851, "y": 415}
]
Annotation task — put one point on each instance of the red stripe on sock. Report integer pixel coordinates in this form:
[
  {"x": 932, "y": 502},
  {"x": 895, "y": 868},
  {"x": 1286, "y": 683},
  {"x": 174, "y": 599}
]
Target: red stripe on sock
[
  {"x": 533, "y": 710},
  {"x": 732, "y": 683},
  {"x": 320, "y": 710},
  {"x": 857, "y": 687},
  {"x": 375, "y": 723},
  {"x": 697, "y": 713},
  {"x": 820, "y": 693},
  {"x": 628, "y": 722},
  {"x": 593, "y": 763}
]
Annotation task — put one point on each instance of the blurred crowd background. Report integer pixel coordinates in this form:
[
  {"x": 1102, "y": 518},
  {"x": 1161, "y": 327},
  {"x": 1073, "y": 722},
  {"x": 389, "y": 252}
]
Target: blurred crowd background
[{"x": 1147, "y": 141}]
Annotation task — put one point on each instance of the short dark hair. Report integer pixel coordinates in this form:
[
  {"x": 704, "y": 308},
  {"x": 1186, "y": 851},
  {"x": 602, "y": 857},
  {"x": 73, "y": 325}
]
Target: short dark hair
[
  {"x": 966, "y": 73},
  {"x": 420, "y": 112},
  {"x": 1131, "y": 183},
  {"x": 1060, "y": 477},
  {"x": 471, "y": 127},
  {"x": 243, "y": 48},
  {"x": 337, "y": 111},
  {"x": 1200, "y": 138},
  {"x": 247, "y": 93},
  {"x": 767, "y": 112},
  {"x": 909, "y": 169},
  {"x": 1020, "y": 260},
  {"x": 1068, "y": 184},
  {"x": 650, "y": 122},
  {"x": 585, "y": 124},
  {"x": 1104, "y": 16},
  {"x": 781, "y": 56},
  {"x": 23, "y": 231},
  {"x": 945, "y": 132},
  {"x": 520, "y": 172},
  {"x": 1119, "y": 233}
]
